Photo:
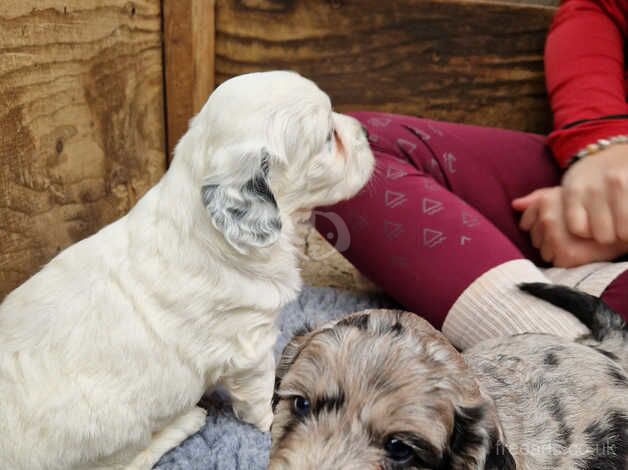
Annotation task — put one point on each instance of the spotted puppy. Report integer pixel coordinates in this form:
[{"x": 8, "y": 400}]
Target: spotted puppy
[{"x": 383, "y": 390}]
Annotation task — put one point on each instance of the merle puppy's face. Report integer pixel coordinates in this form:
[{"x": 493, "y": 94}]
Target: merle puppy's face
[{"x": 382, "y": 390}]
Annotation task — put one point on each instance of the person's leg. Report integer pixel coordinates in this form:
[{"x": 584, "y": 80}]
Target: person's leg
[
  {"x": 485, "y": 167},
  {"x": 432, "y": 251},
  {"x": 616, "y": 294}
]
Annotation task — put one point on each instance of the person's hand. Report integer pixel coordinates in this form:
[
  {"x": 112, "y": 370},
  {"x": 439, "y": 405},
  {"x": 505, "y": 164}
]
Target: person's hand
[
  {"x": 543, "y": 217},
  {"x": 595, "y": 196}
]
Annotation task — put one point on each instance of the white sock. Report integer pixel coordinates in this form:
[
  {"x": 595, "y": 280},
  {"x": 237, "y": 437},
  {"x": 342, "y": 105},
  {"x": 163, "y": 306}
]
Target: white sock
[
  {"x": 592, "y": 278},
  {"x": 493, "y": 306}
]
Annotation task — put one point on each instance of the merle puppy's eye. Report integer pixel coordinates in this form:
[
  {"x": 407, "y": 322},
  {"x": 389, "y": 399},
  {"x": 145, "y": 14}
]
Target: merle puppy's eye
[
  {"x": 300, "y": 406},
  {"x": 398, "y": 451},
  {"x": 329, "y": 136}
]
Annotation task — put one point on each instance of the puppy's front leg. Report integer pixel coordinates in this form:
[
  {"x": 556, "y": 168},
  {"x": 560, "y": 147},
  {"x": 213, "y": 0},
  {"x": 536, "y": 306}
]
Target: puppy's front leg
[
  {"x": 251, "y": 391},
  {"x": 168, "y": 438}
]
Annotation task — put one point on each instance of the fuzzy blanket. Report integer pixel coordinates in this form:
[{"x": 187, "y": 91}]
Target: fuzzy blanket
[{"x": 228, "y": 444}]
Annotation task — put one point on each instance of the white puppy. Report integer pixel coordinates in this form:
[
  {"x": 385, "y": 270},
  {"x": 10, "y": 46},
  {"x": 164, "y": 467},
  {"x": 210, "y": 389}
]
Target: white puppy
[{"x": 105, "y": 352}]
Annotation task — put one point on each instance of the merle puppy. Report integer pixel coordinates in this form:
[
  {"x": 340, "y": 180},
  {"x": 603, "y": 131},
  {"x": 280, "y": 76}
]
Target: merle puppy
[{"x": 383, "y": 390}]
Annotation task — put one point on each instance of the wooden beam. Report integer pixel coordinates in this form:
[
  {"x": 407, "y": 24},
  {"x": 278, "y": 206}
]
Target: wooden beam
[
  {"x": 81, "y": 122},
  {"x": 458, "y": 60},
  {"x": 188, "y": 60}
]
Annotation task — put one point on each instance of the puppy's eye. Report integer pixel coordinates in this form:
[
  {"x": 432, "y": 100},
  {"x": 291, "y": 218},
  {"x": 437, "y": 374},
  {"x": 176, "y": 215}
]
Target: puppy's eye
[
  {"x": 300, "y": 406},
  {"x": 398, "y": 451},
  {"x": 330, "y": 136}
]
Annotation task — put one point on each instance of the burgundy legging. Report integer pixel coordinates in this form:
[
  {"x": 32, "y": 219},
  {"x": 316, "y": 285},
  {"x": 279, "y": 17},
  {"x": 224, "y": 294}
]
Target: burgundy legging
[{"x": 436, "y": 214}]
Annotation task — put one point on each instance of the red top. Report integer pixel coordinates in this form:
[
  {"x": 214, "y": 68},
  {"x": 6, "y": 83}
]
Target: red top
[{"x": 585, "y": 74}]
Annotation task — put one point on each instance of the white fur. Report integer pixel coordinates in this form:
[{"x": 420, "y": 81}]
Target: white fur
[{"x": 105, "y": 352}]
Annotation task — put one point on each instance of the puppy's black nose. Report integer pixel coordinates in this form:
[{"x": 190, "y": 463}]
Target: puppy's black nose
[{"x": 365, "y": 130}]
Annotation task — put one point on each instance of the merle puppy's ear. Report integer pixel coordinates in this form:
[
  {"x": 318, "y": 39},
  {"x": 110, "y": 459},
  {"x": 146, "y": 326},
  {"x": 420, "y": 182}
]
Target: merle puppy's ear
[
  {"x": 476, "y": 439},
  {"x": 290, "y": 353},
  {"x": 240, "y": 202}
]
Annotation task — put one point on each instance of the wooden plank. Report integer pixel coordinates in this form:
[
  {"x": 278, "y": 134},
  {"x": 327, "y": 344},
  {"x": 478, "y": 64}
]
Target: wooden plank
[
  {"x": 189, "y": 61},
  {"x": 551, "y": 3},
  {"x": 81, "y": 122},
  {"x": 456, "y": 60}
]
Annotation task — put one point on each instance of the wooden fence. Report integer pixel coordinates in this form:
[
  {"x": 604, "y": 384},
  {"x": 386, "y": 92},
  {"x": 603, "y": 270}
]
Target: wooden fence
[{"x": 95, "y": 93}]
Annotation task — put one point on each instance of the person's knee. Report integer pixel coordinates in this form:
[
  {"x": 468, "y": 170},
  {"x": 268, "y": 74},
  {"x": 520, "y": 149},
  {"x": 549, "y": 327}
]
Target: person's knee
[{"x": 616, "y": 295}]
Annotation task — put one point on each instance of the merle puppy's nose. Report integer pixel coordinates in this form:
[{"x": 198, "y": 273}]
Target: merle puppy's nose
[{"x": 365, "y": 130}]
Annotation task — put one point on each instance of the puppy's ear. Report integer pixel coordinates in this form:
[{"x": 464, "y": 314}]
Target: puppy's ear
[
  {"x": 240, "y": 202},
  {"x": 290, "y": 353},
  {"x": 476, "y": 438}
]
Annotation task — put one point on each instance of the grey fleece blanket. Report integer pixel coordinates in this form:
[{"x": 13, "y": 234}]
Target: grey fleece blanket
[{"x": 228, "y": 444}]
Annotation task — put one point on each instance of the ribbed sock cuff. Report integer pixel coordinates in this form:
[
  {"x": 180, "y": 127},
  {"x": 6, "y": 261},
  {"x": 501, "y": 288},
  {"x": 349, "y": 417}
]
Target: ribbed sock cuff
[
  {"x": 493, "y": 306},
  {"x": 591, "y": 278}
]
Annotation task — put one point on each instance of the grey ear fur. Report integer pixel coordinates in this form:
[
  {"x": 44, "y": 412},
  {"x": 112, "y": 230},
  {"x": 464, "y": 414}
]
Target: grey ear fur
[{"x": 244, "y": 209}]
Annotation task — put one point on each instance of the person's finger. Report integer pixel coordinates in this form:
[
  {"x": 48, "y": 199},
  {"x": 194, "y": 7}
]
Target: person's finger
[
  {"x": 568, "y": 256},
  {"x": 601, "y": 219},
  {"x": 618, "y": 195},
  {"x": 537, "y": 235},
  {"x": 576, "y": 217},
  {"x": 547, "y": 251},
  {"x": 529, "y": 217},
  {"x": 522, "y": 203}
]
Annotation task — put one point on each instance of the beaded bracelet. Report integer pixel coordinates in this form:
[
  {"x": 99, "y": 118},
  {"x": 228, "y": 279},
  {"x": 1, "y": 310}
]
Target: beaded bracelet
[{"x": 598, "y": 146}]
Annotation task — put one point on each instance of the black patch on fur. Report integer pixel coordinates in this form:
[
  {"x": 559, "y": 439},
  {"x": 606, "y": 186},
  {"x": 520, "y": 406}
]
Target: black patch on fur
[
  {"x": 608, "y": 439},
  {"x": 396, "y": 329},
  {"x": 361, "y": 322},
  {"x": 464, "y": 440},
  {"x": 265, "y": 162},
  {"x": 275, "y": 223},
  {"x": 606, "y": 353},
  {"x": 276, "y": 398},
  {"x": 617, "y": 375},
  {"x": 499, "y": 458},
  {"x": 464, "y": 420},
  {"x": 465, "y": 444},
  {"x": 564, "y": 434},
  {"x": 258, "y": 187},
  {"x": 289, "y": 428},
  {"x": 328, "y": 403},
  {"x": 238, "y": 213},
  {"x": 307, "y": 328},
  {"x": 590, "y": 310},
  {"x": 551, "y": 359},
  {"x": 555, "y": 408}
]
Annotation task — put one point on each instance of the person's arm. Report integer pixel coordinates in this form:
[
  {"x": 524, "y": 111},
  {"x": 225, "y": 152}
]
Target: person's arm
[
  {"x": 584, "y": 67},
  {"x": 586, "y": 218}
]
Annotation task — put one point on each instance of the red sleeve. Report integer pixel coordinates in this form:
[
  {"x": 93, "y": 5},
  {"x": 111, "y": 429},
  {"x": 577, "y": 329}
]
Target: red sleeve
[{"x": 584, "y": 68}]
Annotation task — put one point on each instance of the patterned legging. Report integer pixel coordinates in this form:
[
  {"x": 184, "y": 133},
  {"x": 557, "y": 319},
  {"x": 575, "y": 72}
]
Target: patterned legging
[{"x": 437, "y": 213}]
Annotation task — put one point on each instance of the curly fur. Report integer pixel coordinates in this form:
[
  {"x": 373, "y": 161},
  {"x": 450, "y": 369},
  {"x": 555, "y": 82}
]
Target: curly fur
[
  {"x": 105, "y": 352},
  {"x": 529, "y": 402}
]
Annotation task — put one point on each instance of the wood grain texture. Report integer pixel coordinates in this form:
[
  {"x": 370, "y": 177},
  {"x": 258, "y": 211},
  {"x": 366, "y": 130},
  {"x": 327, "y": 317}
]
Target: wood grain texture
[
  {"x": 188, "y": 61},
  {"x": 552, "y": 3},
  {"x": 456, "y": 60},
  {"x": 81, "y": 122}
]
